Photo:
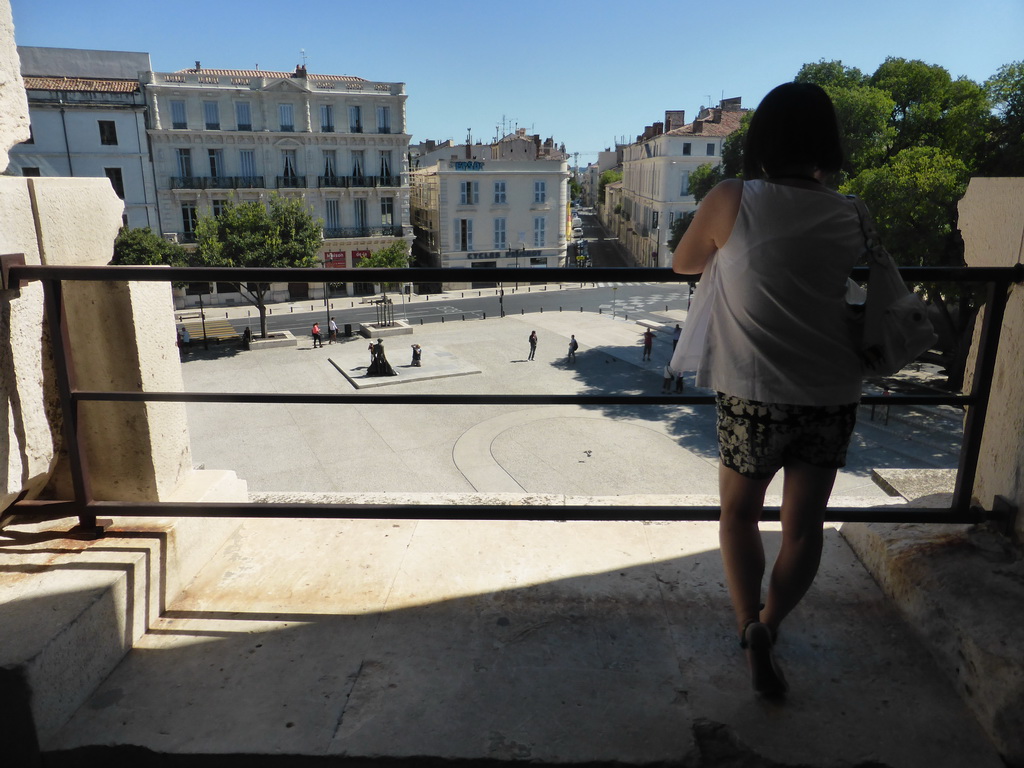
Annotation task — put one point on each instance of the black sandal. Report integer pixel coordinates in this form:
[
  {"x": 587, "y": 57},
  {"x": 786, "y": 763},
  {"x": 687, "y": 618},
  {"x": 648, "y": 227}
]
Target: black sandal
[{"x": 765, "y": 676}]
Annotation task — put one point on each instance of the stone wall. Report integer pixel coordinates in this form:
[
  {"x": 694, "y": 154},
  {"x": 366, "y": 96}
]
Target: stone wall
[{"x": 992, "y": 223}]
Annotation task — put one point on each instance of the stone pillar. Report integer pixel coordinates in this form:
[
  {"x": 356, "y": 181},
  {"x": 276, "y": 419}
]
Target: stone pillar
[{"x": 992, "y": 223}]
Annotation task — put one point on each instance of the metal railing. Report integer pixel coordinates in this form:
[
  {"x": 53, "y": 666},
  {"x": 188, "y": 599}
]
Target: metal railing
[{"x": 88, "y": 509}]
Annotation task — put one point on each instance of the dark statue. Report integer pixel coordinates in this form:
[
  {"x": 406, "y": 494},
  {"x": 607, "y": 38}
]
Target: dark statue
[{"x": 379, "y": 365}]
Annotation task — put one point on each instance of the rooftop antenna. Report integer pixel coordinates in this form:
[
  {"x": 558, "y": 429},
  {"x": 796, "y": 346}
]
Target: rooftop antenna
[{"x": 302, "y": 52}]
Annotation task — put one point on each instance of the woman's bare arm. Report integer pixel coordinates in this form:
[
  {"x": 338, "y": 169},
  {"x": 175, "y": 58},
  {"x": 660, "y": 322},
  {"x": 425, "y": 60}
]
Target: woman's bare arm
[{"x": 710, "y": 228}]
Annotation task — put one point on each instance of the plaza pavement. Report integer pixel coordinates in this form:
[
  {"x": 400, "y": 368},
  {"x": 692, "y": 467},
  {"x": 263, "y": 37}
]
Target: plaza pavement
[{"x": 496, "y": 642}]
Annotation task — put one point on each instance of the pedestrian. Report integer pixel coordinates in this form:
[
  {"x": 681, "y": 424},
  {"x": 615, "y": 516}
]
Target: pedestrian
[
  {"x": 648, "y": 342},
  {"x": 675, "y": 336},
  {"x": 416, "y": 353},
  {"x": 775, "y": 250},
  {"x": 371, "y": 352},
  {"x": 332, "y": 332},
  {"x": 317, "y": 339},
  {"x": 679, "y": 382},
  {"x": 533, "y": 345},
  {"x": 573, "y": 346},
  {"x": 666, "y": 381}
]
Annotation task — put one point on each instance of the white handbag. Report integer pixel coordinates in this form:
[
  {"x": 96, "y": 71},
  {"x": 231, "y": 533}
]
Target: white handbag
[
  {"x": 690, "y": 347},
  {"x": 896, "y": 329}
]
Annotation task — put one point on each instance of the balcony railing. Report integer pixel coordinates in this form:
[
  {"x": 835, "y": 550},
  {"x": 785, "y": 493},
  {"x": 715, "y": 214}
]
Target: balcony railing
[
  {"x": 961, "y": 510},
  {"x": 348, "y": 182},
  {"x": 216, "y": 182},
  {"x": 343, "y": 232},
  {"x": 291, "y": 182}
]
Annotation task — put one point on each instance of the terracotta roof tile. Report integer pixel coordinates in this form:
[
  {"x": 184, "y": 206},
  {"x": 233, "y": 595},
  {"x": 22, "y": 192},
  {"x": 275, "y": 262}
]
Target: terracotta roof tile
[
  {"x": 81, "y": 84},
  {"x": 729, "y": 123},
  {"x": 268, "y": 74}
]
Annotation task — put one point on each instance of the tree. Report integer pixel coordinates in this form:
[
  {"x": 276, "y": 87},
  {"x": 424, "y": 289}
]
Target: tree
[
  {"x": 678, "y": 229},
  {"x": 1005, "y": 90},
  {"x": 393, "y": 256},
  {"x": 608, "y": 177},
  {"x": 142, "y": 246},
  {"x": 732, "y": 148},
  {"x": 863, "y": 112},
  {"x": 703, "y": 179},
  {"x": 249, "y": 235},
  {"x": 830, "y": 74}
]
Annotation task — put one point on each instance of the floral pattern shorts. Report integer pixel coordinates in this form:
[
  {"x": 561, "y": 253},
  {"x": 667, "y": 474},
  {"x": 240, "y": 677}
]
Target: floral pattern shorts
[{"x": 757, "y": 439}]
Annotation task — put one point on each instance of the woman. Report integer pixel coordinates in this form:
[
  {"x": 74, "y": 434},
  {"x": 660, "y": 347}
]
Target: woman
[{"x": 778, "y": 351}]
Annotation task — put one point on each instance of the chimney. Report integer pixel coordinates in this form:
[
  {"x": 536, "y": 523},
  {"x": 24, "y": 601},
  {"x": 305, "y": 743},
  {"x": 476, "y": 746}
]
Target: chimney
[
  {"x": 198, "y": 66},
  {"x": 300, "y": 70},
  {"x": 674, "y": 118},
  {"x": 659, "y": 128},
  {"x": 698, "y": 126},
  {"x": 716, "y": 115}
]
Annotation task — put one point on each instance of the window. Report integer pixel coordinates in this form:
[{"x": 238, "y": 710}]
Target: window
[
  {"x": 355, "y": 119},
  {"x": 684, "y": 188},
  {"x": 464, "y": 234},
  {"x": 243, "y": 115},
  {"x": 327, "y": 118},
  {"x": 211, "y": 115},
  {"x": 387, "y": 211},
  {"x": 385, "y": 163},
  {"x": 184, "y": 162},
  {"x": 30, "y": 171},
  {"x": 116, "y": 180},
  {"x": 499, "y": 192},
  {"x": 247, "y": 162},
  {"x": 289, "y": 163},
  {"x": 540, "y": 191},
  {"x": 357, "y": 163},
  {"x": 216, "y": 157},
  {"x": 330, "y": 163},
  {"x": 108, "y": 132},
  {"x": 287, "y": 116},
  {"x": 539, "y": 225},
  {"x": 383, "y": 119},
  {"x": 188, "y": 218},
  {"x": 469, "y": 192},
  {"x": 711, "y": 148},
  {"x": 686, "y": 148},
  {"x": 654, "y": 219},
  {"x": 332, "y": 214},
  {"x": 217, "y": 208},
  {"x": 178, "y": 117},
  {"x": 499, "y": 233},
  {"x": 359, "y": 210}
]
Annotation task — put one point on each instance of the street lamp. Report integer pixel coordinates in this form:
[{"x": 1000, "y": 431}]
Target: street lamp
[{"x": 518, "y": 251}]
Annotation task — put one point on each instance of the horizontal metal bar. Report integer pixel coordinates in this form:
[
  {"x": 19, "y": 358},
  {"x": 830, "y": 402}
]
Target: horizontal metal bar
[
  {"x": 280, "y": 398},
  {"x": 896, "y": 513},
  {"x": 452, "y": 274}
]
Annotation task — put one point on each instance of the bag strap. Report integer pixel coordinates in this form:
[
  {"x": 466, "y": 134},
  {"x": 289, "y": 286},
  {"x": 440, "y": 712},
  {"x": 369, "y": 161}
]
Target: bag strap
[{"x": 872, "y": 242}]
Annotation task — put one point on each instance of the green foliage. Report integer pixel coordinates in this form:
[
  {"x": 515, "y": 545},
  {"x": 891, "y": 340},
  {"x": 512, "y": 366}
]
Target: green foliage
[
  {"x": 142, "y": 246},
  {"x": 732, "y": 148},
  {"x": 1005, "y": 90},
  {"x": 608, "y": 177},
  {"x": 575, "y": 189},
  {"x": 703, "y": 179},
  {"x": 679, "y": 227},
  {"x": 830, "y": 74},
  {"x": 913, "y": 199},
  {"x": 248, "y": 234},
  {"x": 393, "y": 256},
  {"x": 863, "y": 112}
]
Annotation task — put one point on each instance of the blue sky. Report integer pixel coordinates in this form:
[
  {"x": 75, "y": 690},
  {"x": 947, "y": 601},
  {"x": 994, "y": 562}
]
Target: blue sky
[{"x": 584, "y": 73}]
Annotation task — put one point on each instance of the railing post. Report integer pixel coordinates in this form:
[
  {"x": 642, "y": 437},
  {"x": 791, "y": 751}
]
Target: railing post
[
  {"x": 66, "y": 384},
  {"x": 981, "y": 389}
]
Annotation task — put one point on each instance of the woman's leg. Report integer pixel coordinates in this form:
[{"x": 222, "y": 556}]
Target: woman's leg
[
  {"x": 805, "y": 494},
  {"x": 742, "y": 502}
]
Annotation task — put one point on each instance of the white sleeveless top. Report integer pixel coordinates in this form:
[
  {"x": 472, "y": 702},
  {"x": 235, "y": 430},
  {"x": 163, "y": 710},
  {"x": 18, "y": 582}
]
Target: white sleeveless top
[{"x": 777, "y": 330}]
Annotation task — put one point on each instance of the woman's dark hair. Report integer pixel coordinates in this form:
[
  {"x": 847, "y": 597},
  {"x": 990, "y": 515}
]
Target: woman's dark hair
[{"x": 794, "y": 126}]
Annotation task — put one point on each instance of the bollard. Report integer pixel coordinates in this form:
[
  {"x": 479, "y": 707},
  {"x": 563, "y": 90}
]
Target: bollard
[
  {"x": 522, "y": 311},
  {"x": 421, "y": 321},
  {"x": 581, "y": 309},
  {"x": 291, "y": 309},
  {"x": 225, "y": 315},
  {"x": 559, "y": 309},
  {"x": 666, "y": 307},
  {"x": 310, "y": 307},
  {"x": 600, "y": 311},
  {"x": 270, "y": 310},
  {"x": 463, "y": 318},
  {"x": 542, "y": 310},
  {"x": 442, "y": 319},
  {"x": 485, "y": 315}
]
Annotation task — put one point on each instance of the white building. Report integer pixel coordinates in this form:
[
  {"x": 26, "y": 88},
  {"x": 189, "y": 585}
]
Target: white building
[
  {"x": 88, "y": 118},
  {"x": 491, "y": 205},
  {"x": 336, "y": 141},
  {"x": 656, "y": 178}
]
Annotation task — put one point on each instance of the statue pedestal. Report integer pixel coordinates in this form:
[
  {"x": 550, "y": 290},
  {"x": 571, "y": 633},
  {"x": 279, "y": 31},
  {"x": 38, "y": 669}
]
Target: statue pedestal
[{"x": 374, "y": 331}]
